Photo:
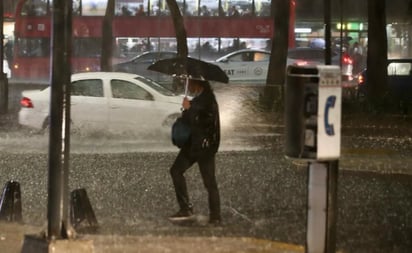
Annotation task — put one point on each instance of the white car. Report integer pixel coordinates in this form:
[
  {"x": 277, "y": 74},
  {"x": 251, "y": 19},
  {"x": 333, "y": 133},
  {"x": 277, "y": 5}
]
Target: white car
[
  {"x": 251, "y": 65},
  {"x": 245, "y": 66},
  {"x": 109, "y": 102}
]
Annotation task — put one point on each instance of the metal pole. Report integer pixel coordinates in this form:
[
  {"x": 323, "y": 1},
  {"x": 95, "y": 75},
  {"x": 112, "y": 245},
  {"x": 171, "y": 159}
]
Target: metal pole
[
  {"x": 327, "y": 21},
  {"x": 322, "y": 207},
  {"x": 317, "y": 206},
  {"x": 4, "y": 86},
  {"x": 59, "y": 141},
  {"x": 332, "y": 166},
  {"x": 332, "y": 207},
  {"x": 341, "y": 31}
]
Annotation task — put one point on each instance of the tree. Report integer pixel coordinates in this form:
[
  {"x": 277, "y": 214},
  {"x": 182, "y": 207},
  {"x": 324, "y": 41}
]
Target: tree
[
  {"x": 107, "y": 38},
  {"x": 280, "y": 9},
  {"x": 180, "y": 30},
  {"x": 181, "y": 37},
  {"x": 377, "y": 53}
]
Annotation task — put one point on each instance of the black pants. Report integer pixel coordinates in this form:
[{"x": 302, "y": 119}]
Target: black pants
[{"x": 207, "y": 169}]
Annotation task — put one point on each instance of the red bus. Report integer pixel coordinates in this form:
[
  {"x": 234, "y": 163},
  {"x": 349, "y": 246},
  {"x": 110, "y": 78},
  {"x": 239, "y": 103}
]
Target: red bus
[{"x": 138, "y": 26}]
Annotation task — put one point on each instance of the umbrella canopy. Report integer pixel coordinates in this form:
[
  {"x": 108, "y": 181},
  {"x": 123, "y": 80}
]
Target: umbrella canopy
[
  {"x": 317, "y": 43},
  {"x": 191, "y": 68}
]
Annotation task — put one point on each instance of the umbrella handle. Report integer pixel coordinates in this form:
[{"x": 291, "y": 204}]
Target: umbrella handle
[
  {"x": 186, "y": 86},
  {"x": 186, "y": 90}
]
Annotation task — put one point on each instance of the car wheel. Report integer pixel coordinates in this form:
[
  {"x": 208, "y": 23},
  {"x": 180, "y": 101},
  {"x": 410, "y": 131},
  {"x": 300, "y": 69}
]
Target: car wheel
[{"x": 45, "y": 126}]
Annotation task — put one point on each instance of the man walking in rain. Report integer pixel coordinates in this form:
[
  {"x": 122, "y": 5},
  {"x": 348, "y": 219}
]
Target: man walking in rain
[{"x": 202, "y": 115}]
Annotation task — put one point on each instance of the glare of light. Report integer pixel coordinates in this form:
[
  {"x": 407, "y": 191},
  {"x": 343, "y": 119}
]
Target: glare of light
[
  {"x": 340, "y": 26},
  {"x": 303, "y": 30},
  {"x": 301, "y": 63},
  {"x": 227, "y": 116},
  {"x": 361, "y": 79}
]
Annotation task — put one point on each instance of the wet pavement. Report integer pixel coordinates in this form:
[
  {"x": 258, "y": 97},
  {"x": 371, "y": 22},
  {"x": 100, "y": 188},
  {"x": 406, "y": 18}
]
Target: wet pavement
[
  {"x": 263, "y": 196},
  {"x": 263, "y": 193},
  {"x": 11, "y": 240}
]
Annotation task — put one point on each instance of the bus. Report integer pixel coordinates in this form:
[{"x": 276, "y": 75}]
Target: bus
[{"x": 221, "y": 26}]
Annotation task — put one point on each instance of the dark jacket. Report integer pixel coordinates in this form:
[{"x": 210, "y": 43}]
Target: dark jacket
[{"x": 204, "y": 122}]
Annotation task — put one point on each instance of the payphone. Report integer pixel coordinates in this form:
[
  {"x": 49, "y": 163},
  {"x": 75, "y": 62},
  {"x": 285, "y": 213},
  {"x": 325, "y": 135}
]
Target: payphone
[
  {"x": 313, "y": 112},
  {"x": 312, "y": 133}
]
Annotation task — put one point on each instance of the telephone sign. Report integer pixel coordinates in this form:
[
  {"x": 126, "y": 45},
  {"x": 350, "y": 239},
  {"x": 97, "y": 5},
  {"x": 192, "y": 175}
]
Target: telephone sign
[{"x": 329, "y": 113}]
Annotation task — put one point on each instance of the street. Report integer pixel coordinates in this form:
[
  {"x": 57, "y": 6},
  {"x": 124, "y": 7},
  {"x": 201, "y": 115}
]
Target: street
[{"x": 263, "y": 194}]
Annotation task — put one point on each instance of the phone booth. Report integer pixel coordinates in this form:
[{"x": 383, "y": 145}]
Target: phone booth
[
  {"x": 312, "y": 133},
  {"x": 313, "y": 113}
]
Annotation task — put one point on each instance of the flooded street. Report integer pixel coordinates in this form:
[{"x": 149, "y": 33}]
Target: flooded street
[{"x": 263, "y": 194}]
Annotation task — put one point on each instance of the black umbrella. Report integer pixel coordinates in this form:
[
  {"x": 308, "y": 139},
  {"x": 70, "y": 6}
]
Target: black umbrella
[{"x": 191, "y": 68}]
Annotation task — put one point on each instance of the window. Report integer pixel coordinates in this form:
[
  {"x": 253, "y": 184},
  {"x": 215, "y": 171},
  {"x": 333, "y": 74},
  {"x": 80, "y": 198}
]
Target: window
[
  {"x": 93, "y": 7},
  {"x": 127, "y": 90},
  {"x": 166, "y": 55},
  {"x": 158, "y": 8},
  {"x": 41, "y": 7},
  {"x": 88, "y": 88},
  {"x": 399, "y": 69},
  {"x": 262, "y": 57},
  {"x": 131, "y": 7},
  {"x": 33, "y": 47},
  {"x": 87, "y": 47},
  {"x": 209, "y": 8},
  {"x": 34, "y": 8},
  {"x": 238, "y": 8},
  {"x": 76, "y": 7},
  {"x": 191, "y": 7},
  {"x": 147, "y": 58},
  {"x": 155, "y": 56},
  {"x": 40, "y": 47},
  {"x": 239, "y": 57},
  {"x": 155, "y": 86}
]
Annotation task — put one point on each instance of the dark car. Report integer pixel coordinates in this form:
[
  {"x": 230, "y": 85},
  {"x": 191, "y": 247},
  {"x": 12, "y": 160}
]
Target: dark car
[
  {"x": 316, "y": 56},
  {"x": 399, "y": 80},
  {"x": 138, "y": 65}
]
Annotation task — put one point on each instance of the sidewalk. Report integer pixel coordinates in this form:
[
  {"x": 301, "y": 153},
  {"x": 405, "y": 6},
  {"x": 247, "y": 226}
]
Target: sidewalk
[{"x": 12, "y": 238}]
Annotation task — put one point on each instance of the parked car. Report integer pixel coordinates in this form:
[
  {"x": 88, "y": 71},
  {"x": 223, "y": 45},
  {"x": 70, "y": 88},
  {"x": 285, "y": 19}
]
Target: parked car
[
  {"x": 316, "y": 56},
  {"x": 399, "y": 80},
  {"x": 138, "y": 65},
  {"x": 251, "y": 65},
  {"x": 246, "y": 65},
  {"x": 109, "y": 102}
]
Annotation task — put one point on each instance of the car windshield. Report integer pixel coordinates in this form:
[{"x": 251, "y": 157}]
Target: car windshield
[
  {"x": 309, "y": 54},
  {"x": 155, "y": 86},
  {"x": 399, "y": 69}
]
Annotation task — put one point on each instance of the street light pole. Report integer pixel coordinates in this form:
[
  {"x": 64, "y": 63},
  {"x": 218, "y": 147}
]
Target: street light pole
[
  {"x": 59, "y": 140},
  {"x": 4, "y": 86}
]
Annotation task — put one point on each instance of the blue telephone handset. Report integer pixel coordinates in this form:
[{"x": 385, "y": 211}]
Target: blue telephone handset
[{"x": 330, "y": 103}]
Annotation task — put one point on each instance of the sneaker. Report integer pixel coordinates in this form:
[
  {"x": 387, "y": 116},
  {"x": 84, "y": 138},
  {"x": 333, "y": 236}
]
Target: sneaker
[{"x": 182, "y": 214}]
